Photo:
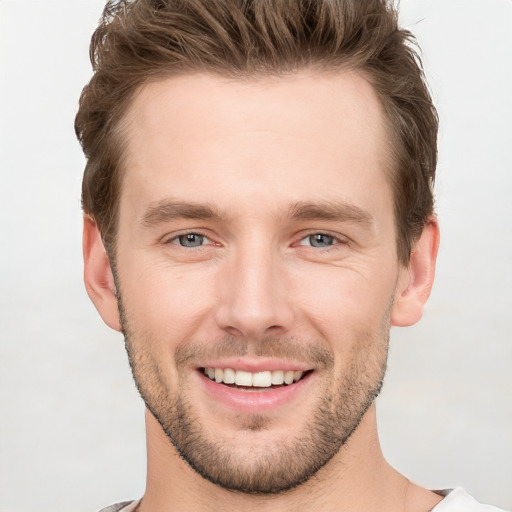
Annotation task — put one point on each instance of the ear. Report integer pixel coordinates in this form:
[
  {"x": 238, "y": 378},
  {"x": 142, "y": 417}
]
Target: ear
[
  {"x": 99, "y": 281},
  {"x": 416, "y": 280}
]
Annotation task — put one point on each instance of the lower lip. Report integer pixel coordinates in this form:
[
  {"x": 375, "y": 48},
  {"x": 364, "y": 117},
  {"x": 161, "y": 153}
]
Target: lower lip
[{"x": 254, "y": 402}]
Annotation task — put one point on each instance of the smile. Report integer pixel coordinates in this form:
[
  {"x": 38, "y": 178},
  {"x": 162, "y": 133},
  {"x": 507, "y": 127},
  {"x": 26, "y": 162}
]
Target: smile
[
  {"x": 255, "y": 392},
  {"x": 263, "y": 379}
]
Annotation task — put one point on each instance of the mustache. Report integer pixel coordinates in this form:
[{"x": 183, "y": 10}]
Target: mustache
[{"x": 287, "y": 348}]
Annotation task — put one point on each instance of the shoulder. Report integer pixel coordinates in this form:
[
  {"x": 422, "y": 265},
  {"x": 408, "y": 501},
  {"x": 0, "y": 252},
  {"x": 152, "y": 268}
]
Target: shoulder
[
  {"x": 125, "y": 506},
  {"x": 458, "y": 500}
]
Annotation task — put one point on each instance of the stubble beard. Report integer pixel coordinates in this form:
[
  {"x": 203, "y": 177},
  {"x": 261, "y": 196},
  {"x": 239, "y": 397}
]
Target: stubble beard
[{"x": 337, "y": 414}]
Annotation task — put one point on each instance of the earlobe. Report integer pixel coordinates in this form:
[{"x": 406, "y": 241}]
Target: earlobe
[
  {"x": 416, "y": 282},
  {"x": 98, "y": 278}
]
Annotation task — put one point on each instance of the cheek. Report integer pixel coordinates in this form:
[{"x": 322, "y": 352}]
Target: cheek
[
  {"x": 339, "y": 301},
  {"x": 168, "y": 301}
]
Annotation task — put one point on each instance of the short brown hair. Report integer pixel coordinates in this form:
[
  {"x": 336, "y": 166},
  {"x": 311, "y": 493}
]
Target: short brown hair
[{"x": 141, "y": 41}]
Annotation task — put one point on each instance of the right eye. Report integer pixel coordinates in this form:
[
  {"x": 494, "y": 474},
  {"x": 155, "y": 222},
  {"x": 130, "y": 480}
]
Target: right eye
[
  {"x": 190, "y": 240},
  {"x": 319, "y": 240}
]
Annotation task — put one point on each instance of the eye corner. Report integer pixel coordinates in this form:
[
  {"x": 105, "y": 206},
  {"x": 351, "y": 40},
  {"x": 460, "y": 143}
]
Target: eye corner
[
  {"x": 193, "y": 239},
  {"x": 187, "y": 240},
  {"x": 321, "y": 240}
]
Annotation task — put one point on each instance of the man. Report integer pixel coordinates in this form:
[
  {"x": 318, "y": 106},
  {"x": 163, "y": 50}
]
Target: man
[{"x": 258, "y": 213}]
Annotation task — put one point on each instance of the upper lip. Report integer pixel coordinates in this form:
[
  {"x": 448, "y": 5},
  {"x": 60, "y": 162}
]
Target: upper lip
[{"x": 255, "y": 365}]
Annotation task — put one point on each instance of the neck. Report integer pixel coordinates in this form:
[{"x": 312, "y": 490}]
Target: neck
[{"x": 357, "y": 478}]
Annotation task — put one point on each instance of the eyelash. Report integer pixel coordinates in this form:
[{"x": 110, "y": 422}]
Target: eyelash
[
  {"x": 175, "y": 239},
  {"x": 336, "y": 240}
]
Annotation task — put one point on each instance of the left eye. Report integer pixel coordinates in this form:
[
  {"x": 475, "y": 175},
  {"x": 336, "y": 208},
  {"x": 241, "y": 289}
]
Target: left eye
[
  {"x": 320, "y": 240},
  {"x": 190, "y": 240}
]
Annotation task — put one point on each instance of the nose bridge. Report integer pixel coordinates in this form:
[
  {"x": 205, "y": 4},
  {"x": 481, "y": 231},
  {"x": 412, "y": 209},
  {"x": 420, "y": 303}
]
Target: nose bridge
[{"x": 253, "y": 296}]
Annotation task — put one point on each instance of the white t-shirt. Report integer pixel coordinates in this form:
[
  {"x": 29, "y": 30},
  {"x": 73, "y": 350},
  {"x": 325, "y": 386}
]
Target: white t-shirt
[{"x": 456, "y": 500}]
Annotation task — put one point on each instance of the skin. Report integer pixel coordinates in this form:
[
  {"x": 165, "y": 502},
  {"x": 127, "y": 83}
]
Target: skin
[{"x": 267, "y": 157}]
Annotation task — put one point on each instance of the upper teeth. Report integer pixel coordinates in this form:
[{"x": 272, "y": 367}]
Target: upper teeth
[{"x": 259, "y": 379}]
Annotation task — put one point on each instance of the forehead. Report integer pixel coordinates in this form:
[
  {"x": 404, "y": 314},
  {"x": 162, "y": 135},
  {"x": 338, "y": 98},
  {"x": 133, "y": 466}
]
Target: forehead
[{"x": 202, "y": 137}]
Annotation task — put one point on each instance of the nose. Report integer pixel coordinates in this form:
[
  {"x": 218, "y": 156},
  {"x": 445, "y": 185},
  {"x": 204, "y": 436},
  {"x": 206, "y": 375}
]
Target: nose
[{"x": 253, "y": 295}]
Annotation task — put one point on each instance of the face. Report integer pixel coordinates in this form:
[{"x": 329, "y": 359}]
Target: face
[{"x": 257, "y": 268}]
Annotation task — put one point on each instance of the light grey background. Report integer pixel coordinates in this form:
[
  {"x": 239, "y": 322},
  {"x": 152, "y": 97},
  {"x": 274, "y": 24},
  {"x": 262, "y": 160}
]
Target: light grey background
[{"x": 71, "y": 424}]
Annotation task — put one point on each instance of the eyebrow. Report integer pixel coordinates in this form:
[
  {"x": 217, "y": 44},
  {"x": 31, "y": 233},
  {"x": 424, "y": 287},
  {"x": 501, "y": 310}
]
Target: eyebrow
[
  {"x": 167, "y": 210},
  {"x": 330, "y": 211}
]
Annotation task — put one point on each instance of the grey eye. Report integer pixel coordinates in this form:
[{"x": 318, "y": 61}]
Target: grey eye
[
  {"x": 321, "y": 240},
  {"x": 190, "y": 240}
]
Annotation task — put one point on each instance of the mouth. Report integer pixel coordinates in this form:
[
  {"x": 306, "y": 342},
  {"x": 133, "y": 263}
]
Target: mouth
[
  {"x": 258, "y": 381},
  {"x": 250, "y": 386}
]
